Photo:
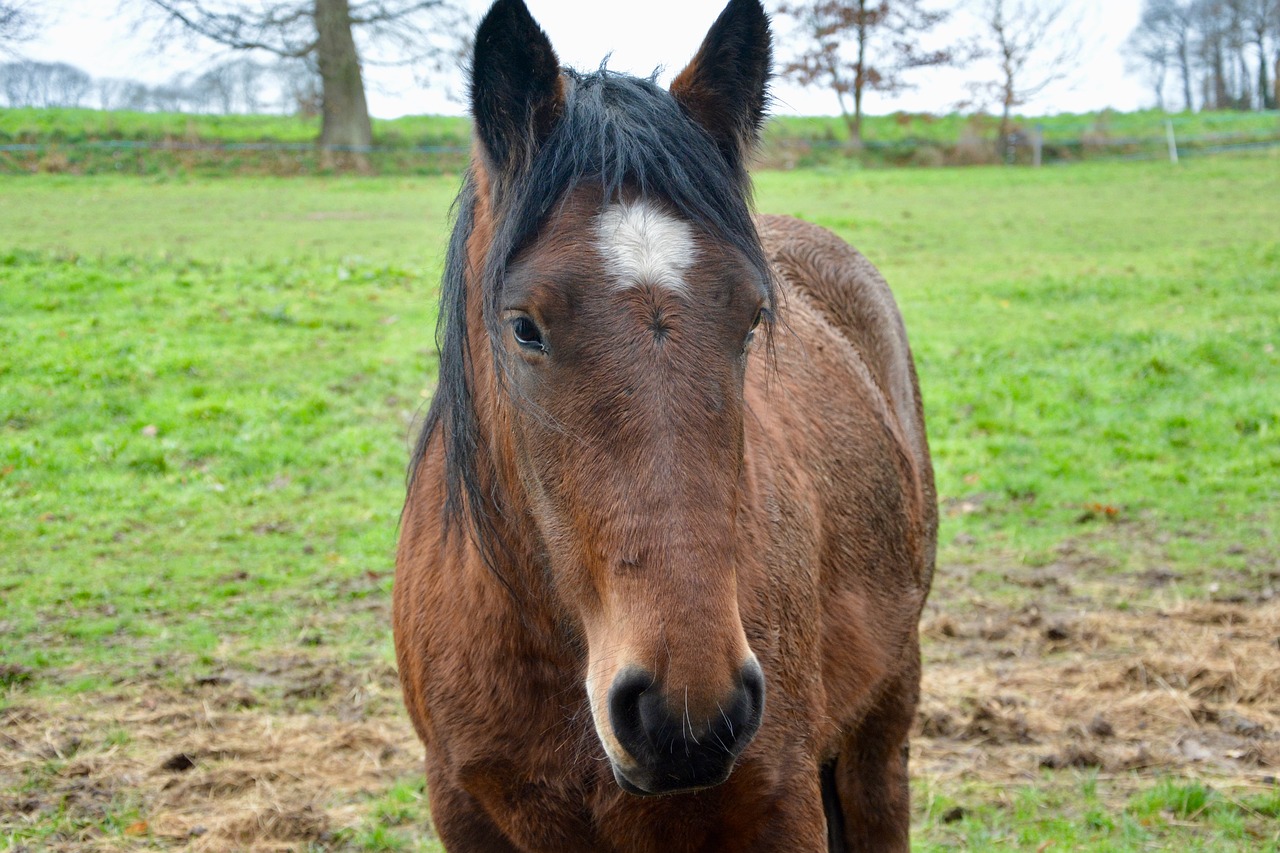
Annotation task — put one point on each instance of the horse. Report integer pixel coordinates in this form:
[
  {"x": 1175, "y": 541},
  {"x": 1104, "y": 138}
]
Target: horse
[{"x": 670, "y": 521}]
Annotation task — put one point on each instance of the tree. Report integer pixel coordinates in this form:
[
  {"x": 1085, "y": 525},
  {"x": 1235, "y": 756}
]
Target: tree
[
  {"x": 1146, "y": 52},
  {"x": 1034, "y": 44},
  {"x": 1211, "y": 34},
  {"x": 1275, "y": 43},
  {"x": 229, "y": 86},
  {"x": 856, "y": 45},
  {"x": 324, "y": 32},
  {"x": 1171, "y": 23},
  {"x": 1227, "y": 30},
  {"x": 17, "y": 24},
  {"x": 44, "y": 84},
  {"x": 1211, "y": 42},
  {"x": 1261, "y": 19},
  {"x": 300, "y": 82}
]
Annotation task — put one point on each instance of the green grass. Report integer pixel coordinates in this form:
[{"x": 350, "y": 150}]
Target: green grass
[
  {"x": 206, "y": 389},
  {"x": 65, "y": 124},
  {"x": 29, "y": 124},
  {"x": 1069, "y": 814},
  {"x": 215, "y": 467},
  {"x": 71, "y": 140},
  {"x": 1096, "y": 336},
  {"x": 1100, "y": 336},
  {"x": 947, "y": 129}
]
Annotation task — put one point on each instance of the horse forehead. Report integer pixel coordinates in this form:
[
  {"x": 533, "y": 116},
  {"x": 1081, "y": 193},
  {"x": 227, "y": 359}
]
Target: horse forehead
[{"x": 644, "y": 245}]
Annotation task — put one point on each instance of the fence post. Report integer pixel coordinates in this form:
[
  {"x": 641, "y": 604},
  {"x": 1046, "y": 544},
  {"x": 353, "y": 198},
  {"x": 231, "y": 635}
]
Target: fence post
[
  {"x": 1173, "y": 142},
  {"x": 1037, "y": 153}
]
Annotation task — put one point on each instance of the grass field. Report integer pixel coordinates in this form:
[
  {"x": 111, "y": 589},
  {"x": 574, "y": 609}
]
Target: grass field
[
  {"x": 83, "y": 125},
  {"x": 207, "y": 390},
  {"x": 84, "y": 141}
]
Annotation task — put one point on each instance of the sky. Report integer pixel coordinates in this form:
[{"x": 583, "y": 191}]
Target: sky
[{"x": 638, "y": 35}]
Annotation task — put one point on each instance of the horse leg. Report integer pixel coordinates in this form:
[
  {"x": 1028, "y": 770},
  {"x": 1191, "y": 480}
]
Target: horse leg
[{"x": 866, "y": 791}]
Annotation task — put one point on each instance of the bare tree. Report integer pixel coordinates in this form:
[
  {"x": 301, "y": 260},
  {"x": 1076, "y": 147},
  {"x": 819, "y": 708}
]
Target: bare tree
[
  {"x": 229, "y": 87},
  {"x": 1275, "y": 45},
  {"x": 853, "y": 46},
  {"x": 70, "y": 85},
  {"x": 1212, "y": 42},
  {"x": 1172, "y": 23},
  {"x": 44, "y": 84},
  {"x": 11, "y": 84},
  {"x": 136, "y": 96},
  {"x": 1147, "y": 53},
  {"x": 1260, "y": 19},
  {"x": 214, "y": 89},
  {"x": 300, "y": 80},
  {"x": 324, "y": 32},
  {"x": 110, "y": 92},
  {"x": 1212, "y": 51},
  {"x": 1226, "y": 31},
  {"x": 17, "y": 24},
  {"x": 1035, "y": 44},
  {"x": 246, "y": 80}
]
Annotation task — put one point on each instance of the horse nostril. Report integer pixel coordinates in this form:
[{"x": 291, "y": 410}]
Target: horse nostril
[
  {"x": 667, "y": 748},
  {"x": 647, "y": 726},
  {"x": 625, "y": 714},
  {"x": 739, "y": 721},
  {"x": 753, "y": 683}
]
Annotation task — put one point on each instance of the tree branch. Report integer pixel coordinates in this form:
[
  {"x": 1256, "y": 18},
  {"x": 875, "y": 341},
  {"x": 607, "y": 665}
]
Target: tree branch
[{"x": 231, "y": 29}]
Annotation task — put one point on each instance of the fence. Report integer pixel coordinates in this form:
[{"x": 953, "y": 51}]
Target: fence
[{"x": 1033, "y": 146}]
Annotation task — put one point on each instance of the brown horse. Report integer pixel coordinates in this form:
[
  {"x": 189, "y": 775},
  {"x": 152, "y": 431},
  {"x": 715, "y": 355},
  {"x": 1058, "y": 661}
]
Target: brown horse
[{"x": 675, "y": 464}]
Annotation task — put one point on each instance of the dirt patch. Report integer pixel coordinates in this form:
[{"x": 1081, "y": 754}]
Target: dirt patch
[
  {"x": 204, "y": 770},
  {"x": 297, "y": 751},
  {"x": 1194, "y": 688}
]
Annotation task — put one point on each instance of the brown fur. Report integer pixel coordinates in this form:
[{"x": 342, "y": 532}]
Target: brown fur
[{"x": 679, "y": 515}]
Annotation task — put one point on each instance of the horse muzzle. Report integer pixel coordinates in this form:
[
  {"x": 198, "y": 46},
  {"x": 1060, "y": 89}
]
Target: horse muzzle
[{"x": 671, "y": 751}]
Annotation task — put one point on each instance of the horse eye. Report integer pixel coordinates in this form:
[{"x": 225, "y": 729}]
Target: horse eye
[
  {"x": 527, "y": 333},
  {"x": 751, "y": 333}
]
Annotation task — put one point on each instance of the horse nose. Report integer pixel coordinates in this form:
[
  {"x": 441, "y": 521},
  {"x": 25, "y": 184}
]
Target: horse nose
[{"x": 672, "y": 750}]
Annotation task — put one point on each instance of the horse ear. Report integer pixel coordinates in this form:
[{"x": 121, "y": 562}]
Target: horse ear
[
  {"x": 516, "y": 90},
  {"x": 725, "y": 87}
]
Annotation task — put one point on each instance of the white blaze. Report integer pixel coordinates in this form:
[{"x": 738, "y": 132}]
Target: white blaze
[{"x": 643, "y": 245}]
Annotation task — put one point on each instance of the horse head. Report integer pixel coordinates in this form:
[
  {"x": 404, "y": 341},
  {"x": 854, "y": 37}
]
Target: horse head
[{"x": 617, "y": 285}]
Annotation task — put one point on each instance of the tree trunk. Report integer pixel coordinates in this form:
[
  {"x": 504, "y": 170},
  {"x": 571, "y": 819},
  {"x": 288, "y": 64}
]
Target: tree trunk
[
  {"x": 345, "y": 124},
  {"x": 855, "y": 127},
  {"x": 1221, "y": 97},
  {"x": 860, "y": 77},
  {"x": 1184, "y": 65},
  {"x": 1245, "y": 101},
  {"x": 849, "y": 121},
  {"x": 1006, "y": 127},
  {"x": 1266, "y": 98}
]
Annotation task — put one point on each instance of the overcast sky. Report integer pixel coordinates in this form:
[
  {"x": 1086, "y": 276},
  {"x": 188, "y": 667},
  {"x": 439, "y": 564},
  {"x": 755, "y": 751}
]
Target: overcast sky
[{"x": 641, "y": 35}]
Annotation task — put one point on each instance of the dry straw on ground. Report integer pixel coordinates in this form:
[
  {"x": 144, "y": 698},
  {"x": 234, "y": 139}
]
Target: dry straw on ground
[{"x": 292, "y": 754}]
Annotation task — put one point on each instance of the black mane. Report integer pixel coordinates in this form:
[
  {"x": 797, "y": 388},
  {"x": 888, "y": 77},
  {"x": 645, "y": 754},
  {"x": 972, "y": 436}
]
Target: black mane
[{"x": 619, "y": 133}]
